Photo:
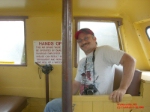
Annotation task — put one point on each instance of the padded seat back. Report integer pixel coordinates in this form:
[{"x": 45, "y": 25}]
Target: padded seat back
[{"x": 134, "y": 88}]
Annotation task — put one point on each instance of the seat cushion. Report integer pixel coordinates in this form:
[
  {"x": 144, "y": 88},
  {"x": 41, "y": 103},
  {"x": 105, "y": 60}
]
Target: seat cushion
[
  {"x": 134, "y": 88},
  {"x": 12, "y": 103}
]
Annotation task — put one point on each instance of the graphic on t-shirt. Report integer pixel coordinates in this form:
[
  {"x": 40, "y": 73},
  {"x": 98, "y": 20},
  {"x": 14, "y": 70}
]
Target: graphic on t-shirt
[
  {"x": 84, "y": 85},
  {"x": 87, "y": 78},
  {"x": 88, "y": 75}
]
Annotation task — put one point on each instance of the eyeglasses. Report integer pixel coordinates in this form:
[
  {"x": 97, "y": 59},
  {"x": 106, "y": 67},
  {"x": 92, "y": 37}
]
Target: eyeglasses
[{"x": 85, "y": 39}]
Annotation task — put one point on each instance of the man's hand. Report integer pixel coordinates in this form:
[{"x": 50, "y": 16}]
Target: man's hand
[{"x": 116, "y": 96}]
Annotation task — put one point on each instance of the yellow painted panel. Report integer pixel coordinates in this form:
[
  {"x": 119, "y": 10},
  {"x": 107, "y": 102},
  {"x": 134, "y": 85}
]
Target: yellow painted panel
[
  {"x": 97, "y": 103},
  {"x": 132, "y": 44},
  {"x": 141, "y": 88},
  {"x": 35, "y": 105},
  {"x": 144, "y": 41},
  {"x": 90, "y": 98},
  {"x": 126, "y": 107},
  {"x": 137, "y": 100},
  {"x": 24, "y": 80},
  {"x": 126, "y": 97},
  {"x": 108, "y": 107},
  {"x": 146, "y": 102},
  {"x": 98, "y": 106},
  {"x": 87, "y": 106},
  {"x": 146, "y": 90},
  {"x": 136, "y": 110},
  {"x": 116, "y": 108},
  {"x": 77, "y": 107},
  {"x": 146, "y": 109}
]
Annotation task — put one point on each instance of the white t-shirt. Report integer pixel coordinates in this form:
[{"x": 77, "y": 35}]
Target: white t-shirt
[{"x": 105, "y": 58}]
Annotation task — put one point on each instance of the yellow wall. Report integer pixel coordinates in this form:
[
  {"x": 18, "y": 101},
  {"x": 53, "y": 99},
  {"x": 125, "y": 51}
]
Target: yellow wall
[
  {"x": 140, "y": 28},
  {"x": 25, "y": 81},
  {"x": 132, "y": 43}
]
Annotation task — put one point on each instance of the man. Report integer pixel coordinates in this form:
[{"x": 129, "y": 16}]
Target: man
[
  {"x": 95, "y": 72},
  {"x": 105, "y": 58}
]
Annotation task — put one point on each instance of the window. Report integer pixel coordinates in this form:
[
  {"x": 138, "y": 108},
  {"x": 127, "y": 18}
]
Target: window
[
  {"x": 105, "y": 30},
  {"x": 148, "y": 32},
  {"x": 12, "y": 41}
]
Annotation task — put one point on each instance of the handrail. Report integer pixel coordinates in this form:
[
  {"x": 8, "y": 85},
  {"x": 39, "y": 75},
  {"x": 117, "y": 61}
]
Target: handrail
[{"x": 98, "y": 98}]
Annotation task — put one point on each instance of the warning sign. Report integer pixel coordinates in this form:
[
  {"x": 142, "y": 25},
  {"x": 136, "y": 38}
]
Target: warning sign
[{"x": 48, "y": 52}]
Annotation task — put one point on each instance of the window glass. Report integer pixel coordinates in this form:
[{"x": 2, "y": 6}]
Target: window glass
[
  {"x": 148, "y": 32},
  {"x": 12, "y": 42},
  {"x": 105, "y": 33}
]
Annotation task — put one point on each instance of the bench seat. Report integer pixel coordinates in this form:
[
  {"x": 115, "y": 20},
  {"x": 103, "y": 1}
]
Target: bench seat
[{"x": 10, "y": 103}]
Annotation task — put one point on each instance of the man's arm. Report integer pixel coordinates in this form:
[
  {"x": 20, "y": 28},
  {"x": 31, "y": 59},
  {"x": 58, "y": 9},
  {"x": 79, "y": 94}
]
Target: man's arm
[
  {"x": 128, "y": 64},
  {"x": 75, "y": 87}
]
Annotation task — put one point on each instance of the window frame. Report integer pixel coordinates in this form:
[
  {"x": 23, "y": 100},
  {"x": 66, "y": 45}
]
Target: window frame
[
  {"x": 17, "y": 18},
  {"x": 148, "y": 36},
  {"x": 117, "y": 21}
]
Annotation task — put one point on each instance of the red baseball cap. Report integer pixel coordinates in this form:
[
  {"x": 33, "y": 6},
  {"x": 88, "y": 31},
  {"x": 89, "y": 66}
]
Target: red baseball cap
[{"x": 83, "y": 30}]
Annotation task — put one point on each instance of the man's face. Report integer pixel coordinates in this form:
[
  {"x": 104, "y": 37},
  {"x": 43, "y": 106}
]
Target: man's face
[{"x": 87, "y": 42}]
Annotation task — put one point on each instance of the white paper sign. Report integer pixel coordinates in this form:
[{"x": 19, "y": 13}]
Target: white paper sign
[{"x": 48, "y": 52}]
